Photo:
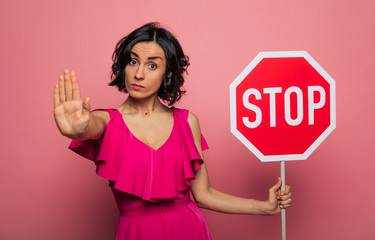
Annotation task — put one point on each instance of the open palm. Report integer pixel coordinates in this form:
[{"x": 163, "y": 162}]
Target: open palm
[{"x": 72, "y": 115}]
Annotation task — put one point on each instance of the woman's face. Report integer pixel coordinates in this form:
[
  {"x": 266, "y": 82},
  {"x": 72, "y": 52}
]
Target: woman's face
[{"x": 145, "y": 71}]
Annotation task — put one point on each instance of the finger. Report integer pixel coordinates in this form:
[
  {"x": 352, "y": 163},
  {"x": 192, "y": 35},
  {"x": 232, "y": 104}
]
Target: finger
[
  {"x": 75, "y": 86},
  {"x": 286, "y": 196},
  {"x": 68, "y": 85},
  {"x": 286, "y": 191},
  {"x": 284, "y": 206},
  {"x": 86, "y": 105},
  {"x": 56, "y": 96},
  {"x": 286, "y": 203},
  {"x": 61, "y": 89}
]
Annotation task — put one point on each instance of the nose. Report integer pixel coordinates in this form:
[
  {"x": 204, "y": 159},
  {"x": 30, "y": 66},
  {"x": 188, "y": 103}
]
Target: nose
[{"x": 139, "y": 74}]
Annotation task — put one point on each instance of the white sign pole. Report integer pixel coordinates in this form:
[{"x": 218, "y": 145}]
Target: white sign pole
[{"x": 283, "y": 211}]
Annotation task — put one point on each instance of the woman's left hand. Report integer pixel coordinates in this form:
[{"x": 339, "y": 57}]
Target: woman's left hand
[{"x": 278, "y": 199}]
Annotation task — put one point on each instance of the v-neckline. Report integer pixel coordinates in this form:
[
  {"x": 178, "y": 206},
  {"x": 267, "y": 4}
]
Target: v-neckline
[{"x": 148, "y": 146}]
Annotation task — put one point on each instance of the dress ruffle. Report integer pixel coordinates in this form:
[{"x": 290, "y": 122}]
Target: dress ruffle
[{"x": 135, "y": 168}]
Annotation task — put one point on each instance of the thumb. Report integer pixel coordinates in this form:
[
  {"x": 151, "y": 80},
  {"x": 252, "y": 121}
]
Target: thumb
[
  {"x": 277, "y": 186},
  {"x": 273, "y": 192},
  {"x": 86, "y": 105}
]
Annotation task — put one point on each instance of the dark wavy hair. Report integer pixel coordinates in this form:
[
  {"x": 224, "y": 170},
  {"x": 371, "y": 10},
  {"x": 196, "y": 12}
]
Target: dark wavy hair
[{"x": 177, "y": 62}]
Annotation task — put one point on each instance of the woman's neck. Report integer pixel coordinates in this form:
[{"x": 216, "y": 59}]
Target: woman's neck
[{"x": 145, "y": 107}]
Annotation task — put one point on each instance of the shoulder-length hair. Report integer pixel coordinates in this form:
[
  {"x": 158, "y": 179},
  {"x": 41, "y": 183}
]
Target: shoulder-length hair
[{"x": 177, "y": 62}]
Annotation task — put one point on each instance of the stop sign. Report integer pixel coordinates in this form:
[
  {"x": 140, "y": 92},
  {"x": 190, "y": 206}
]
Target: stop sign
[{"x": 282, "y": 105}]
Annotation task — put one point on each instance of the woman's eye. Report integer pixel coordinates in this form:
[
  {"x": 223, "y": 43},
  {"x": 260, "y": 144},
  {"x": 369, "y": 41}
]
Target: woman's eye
[
  {"x": 152, "y": 66},
  {"x": 132, "y": 62}
]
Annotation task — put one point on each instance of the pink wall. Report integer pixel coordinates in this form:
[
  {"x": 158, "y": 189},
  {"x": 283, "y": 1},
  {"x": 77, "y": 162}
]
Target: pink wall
[{"x": 47, "y": 192}]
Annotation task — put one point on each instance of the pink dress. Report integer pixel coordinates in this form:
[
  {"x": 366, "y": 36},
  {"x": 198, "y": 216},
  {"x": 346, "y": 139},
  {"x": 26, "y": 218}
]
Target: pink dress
[{"x": 151, "y": 186}]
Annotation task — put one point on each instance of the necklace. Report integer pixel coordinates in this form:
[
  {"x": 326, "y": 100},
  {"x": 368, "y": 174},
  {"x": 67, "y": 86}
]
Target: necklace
[{"x": 146, "y": 113}]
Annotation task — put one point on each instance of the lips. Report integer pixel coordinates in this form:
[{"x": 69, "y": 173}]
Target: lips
[{"x": 137, "y": 87}]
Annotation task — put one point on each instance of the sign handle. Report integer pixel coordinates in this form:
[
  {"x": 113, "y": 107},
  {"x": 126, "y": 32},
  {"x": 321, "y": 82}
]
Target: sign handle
[{"x": 283, "y": 212}]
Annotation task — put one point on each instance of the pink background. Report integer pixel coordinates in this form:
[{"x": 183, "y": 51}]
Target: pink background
[{"x": 47, "y": 192}]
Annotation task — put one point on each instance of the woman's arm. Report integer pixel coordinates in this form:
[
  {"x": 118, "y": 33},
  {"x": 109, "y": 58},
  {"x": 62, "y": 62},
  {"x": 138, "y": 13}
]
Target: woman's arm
[
  {"x": 212, "y": 199},
  {"x": 72, "y": 115}
]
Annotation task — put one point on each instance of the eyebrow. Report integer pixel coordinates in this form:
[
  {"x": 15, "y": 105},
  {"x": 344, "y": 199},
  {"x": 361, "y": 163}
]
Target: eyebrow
[{"x": 150, "y": 58}]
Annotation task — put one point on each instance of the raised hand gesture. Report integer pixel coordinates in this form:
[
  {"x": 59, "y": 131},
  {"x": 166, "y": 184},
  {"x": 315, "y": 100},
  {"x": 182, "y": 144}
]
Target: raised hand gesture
[{"x": 72, "y": 115}]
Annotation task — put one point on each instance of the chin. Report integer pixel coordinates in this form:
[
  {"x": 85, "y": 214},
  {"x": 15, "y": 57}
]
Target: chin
[{"x": 140, "y": 95}]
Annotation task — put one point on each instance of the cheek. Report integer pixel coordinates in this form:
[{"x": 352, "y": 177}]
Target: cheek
[
  {"x": 126, "y": 73},
  {"x": 159, "y": 80}
]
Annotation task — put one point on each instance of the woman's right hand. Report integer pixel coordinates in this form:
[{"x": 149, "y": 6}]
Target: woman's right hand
[{"x": 72, "y": 115}]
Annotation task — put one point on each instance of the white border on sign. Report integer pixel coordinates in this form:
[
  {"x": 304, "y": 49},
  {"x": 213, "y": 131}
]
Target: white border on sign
[{"x": 247, "y": 70}]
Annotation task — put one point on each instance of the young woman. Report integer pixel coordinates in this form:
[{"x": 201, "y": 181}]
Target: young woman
[{"x": 151, "y": 153}]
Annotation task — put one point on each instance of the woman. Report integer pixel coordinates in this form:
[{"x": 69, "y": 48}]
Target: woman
[{"x": 151, "y": 153}]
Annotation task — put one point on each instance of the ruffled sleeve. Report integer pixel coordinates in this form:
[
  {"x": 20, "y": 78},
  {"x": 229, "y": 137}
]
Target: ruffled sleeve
[
  {"x": 107, "y": 155},
  {"x": 195, "y": 158},
  {"x": 89, "y": 148}
]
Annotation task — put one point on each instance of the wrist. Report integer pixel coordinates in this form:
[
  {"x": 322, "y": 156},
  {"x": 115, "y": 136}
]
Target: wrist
[
  {"x": 267, "y": 209},
  {"x": 81, "y": 133},
  {"x": 77, "y": 135}
]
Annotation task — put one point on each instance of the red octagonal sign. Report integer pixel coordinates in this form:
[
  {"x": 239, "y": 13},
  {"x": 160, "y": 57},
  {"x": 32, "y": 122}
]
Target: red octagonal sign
[{"x": 282, "y": 106}]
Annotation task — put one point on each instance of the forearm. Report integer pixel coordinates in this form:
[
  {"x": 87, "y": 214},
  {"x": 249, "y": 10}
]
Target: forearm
[
  {"x": 222, "y": 202},
  {"x": 212, "y": 199}
]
